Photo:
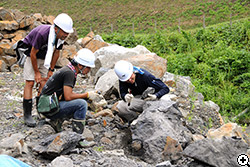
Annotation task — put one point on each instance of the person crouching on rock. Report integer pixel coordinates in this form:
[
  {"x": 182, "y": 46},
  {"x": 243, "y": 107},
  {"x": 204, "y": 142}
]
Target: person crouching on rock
[
  {"x": 134, "y": 83},
  {"x": 72, "y": 105}
]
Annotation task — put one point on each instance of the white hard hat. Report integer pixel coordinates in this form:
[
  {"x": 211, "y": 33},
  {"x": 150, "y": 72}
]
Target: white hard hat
[
  {"x": 85, "y": 57},
  {"x": 64, "y": 22},
  {"x": 123, "y": 70}
]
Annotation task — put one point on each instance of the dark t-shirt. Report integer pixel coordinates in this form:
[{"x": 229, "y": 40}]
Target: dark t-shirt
[
  {"x": 38, "y": 38},
  {"x": 142, "y": 82},
  {"x": 64, "y": 77}
]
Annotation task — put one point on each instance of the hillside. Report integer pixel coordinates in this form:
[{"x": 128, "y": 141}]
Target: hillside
[
  {"x": 142, "y": 16},
  {"x": 208, "y": 71}
]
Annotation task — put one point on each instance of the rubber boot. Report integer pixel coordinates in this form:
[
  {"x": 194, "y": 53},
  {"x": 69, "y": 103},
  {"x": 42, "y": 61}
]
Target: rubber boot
[
  {"x": 56, "y": 124},
  {"x": 78, "y": 125},
  {"x": 27, "y": 112}
]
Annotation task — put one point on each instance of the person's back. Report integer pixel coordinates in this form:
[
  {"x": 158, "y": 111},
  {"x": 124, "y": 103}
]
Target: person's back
[
  {"x": 64, "y": 77},
  {"x": 38, "y": 38}
]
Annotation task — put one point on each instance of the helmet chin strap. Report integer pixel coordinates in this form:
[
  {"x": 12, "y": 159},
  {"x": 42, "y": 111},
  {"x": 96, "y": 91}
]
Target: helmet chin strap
[
  {"x": 81, "y": 70},
  {"x": 56, "y": 35}
]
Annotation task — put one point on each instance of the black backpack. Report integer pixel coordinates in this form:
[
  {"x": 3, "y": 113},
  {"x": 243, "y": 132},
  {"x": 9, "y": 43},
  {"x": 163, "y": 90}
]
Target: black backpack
[{"x": 22, "y": 50}]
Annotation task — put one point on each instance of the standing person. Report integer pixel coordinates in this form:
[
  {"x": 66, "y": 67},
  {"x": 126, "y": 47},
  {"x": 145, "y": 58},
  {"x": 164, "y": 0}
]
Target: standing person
[
  {"x": 72, "y": 105},
  {"x": 43, "y": 45},
  {"x": 133, "y": 81}
]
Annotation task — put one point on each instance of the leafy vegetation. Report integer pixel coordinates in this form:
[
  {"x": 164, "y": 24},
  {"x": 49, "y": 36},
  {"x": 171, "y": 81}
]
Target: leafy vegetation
[{"x": 216, "y": 58}]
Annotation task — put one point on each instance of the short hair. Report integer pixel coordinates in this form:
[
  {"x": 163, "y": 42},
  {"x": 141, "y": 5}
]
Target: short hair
[{"x": 73, "y": 62}]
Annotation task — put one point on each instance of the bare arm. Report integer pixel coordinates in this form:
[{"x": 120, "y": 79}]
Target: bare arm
[
  {"x": 55, "y": 57},
  {"x": 70, "y": 95},
  {"x": 33, "y": 58}
]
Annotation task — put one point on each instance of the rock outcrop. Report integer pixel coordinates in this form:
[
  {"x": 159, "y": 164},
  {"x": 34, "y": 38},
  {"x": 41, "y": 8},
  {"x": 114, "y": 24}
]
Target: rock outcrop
[{"x": 181, "y": 129}]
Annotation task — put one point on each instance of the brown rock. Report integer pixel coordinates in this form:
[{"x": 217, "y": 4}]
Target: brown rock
[
  {"x": 3, "y": 47},
  {"x": 50, "y": 19},
  {"x": 6, "y": 15},
  {"x": 151, "y": 62},
  {"x": 197, "y": 137},
  {"x": 85, "y": 41},
  {"x": 106, "y": 140},
  {"x": 26, "y": 21},
  {"x": 9, "y": 60},
  {"x": 228, "y": 130},
  {"x": 136, "y": 145},
  {"x": 90, "y": 34},
  {"x": 114, "y": 108},
  {"x": 1, "y": 51},
  {"x": 9, "y": 25},
  {"x": 170, "y": 83},
  {"x": 94, "y": 45},
  {"x": 171, "y": 149},
  {"x": 18, "y": 15},
  {"x": 104, "y": 113},
  {"x": 69, "y": 51},
  {"x": 72, "y": 38},
  {"x": 38, "y": 17},
  {"x": 2, "y": 66},
  {"x": 6, "y": 48},
  {"x": 9, "y": 36},
  {"x": 19, "y": 34}
]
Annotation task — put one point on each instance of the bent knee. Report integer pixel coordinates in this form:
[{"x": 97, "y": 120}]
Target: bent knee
[
  {"x": 81, "y": 102},
  {"x": 29, "y": 83}
]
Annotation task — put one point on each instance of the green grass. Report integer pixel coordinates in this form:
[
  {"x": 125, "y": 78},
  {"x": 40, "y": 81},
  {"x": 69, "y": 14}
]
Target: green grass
[
  {"x": 100, "y": 14},
  {"x": 216, "y": 58}
]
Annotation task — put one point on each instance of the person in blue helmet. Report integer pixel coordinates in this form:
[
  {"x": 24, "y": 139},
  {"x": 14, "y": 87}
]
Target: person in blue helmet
[{"x": 133, "y": 81}]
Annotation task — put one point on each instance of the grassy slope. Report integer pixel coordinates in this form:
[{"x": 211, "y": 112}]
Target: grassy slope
[{"x": 144, "y": 14}]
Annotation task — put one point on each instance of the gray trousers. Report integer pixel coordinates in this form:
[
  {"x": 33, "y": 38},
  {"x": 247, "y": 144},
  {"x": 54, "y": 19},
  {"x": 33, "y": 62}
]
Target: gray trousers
[{"x": 130, "y": 111}]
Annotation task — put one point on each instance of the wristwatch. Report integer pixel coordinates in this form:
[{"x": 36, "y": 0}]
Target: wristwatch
[{"x": 51, "y": 69}]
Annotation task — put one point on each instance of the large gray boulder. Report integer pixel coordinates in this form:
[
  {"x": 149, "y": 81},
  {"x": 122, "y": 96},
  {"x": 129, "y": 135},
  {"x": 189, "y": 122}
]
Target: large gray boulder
[
  {"x": 220, "y": 152},
  {"x": 159, "y": 123}
]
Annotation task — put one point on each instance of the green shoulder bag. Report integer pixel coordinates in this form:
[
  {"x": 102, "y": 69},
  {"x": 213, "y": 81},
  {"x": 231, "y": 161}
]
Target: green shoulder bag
[{"x": 48, "y": 105}]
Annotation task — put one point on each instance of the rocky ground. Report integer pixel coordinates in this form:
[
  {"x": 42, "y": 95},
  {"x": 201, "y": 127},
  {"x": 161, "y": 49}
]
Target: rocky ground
[
  {"x": 106, "y": 139},
  {"x": 11, "y": 120}
]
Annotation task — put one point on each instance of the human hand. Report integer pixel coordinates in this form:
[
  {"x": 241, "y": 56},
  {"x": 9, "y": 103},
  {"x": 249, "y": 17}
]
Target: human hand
[
  {"x": 50, "y": 73},
  {"x": 38, "y": 77},
  {"x": 151, "y": 97},
  {"x": 128, "y": 97},
  {"x": 92, "y": 95}
]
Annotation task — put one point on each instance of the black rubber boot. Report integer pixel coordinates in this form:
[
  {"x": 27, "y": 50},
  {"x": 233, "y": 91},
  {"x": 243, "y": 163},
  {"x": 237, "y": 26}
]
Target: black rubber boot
[
  {"x": 56, "y": 124},
  {"x": 78, "y": 125},
  {"x": 27, "y": 112}
]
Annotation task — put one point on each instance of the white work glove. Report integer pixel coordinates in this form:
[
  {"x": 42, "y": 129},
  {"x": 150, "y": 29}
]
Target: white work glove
[
  {"x": 151, "y": 97},
  {"x": 92, "y": 95},
  {"x": 128, "y": 97}
]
